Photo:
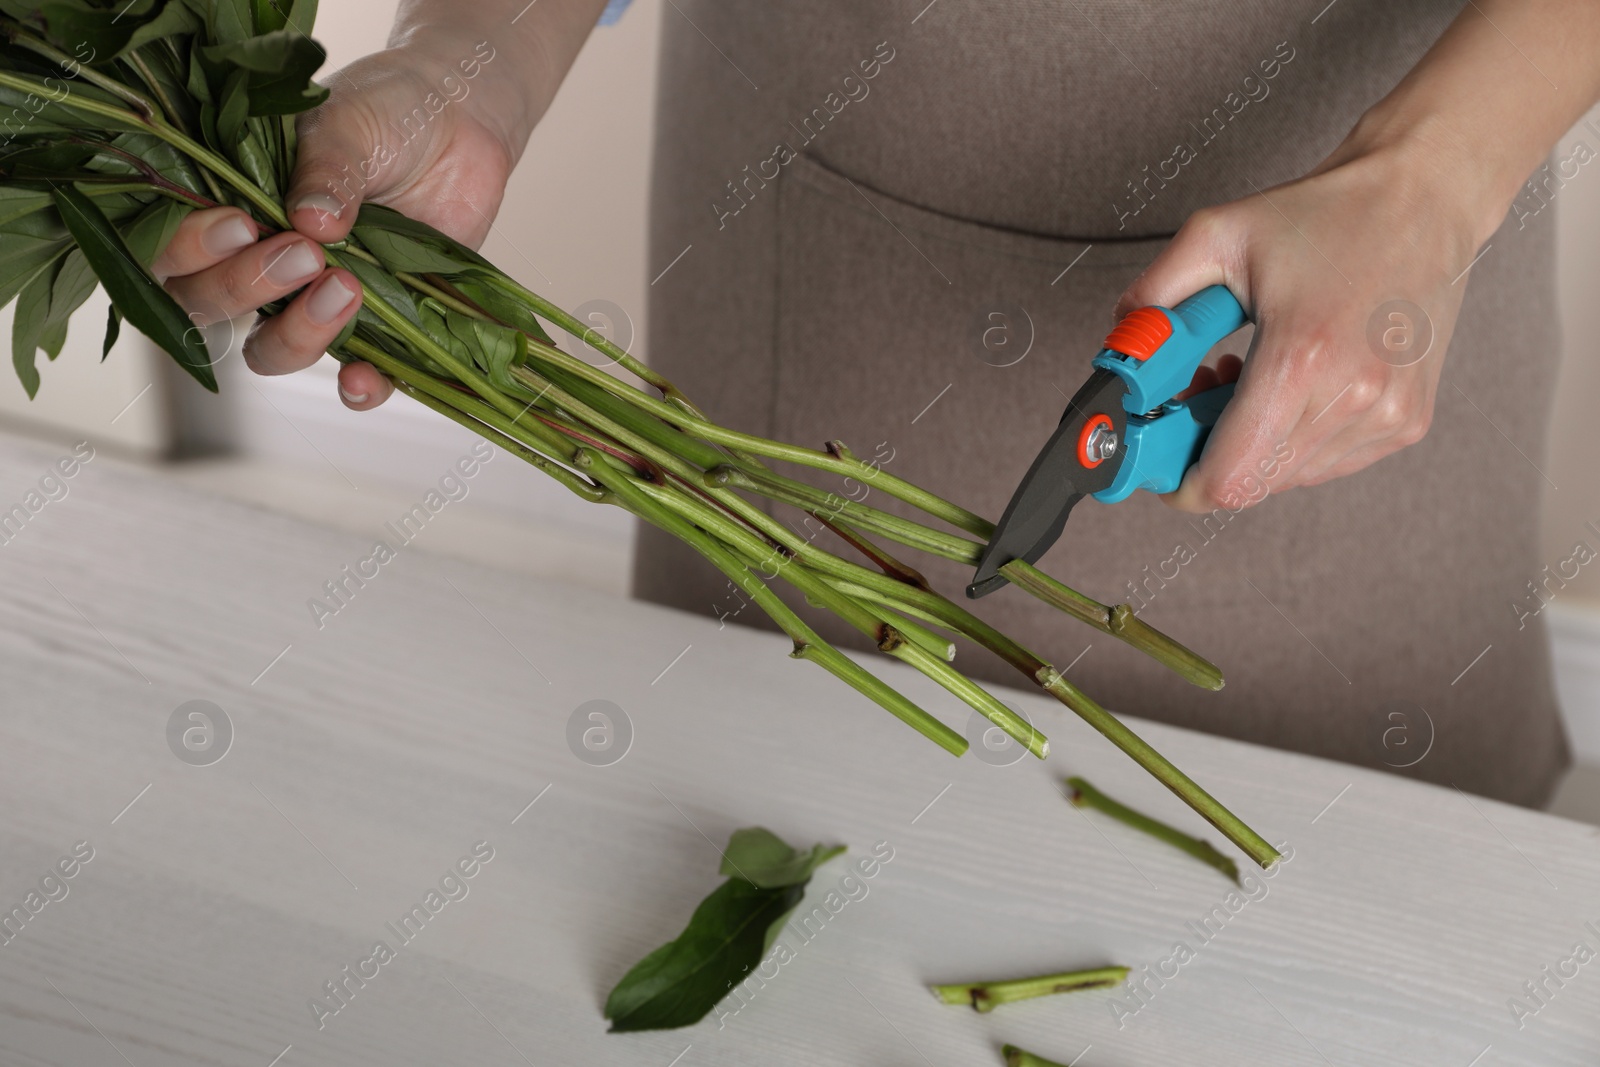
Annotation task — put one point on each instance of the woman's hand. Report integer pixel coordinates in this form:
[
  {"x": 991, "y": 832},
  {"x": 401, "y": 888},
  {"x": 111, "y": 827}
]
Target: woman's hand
[
  {"x": 1315, "y": 262},
  {"x": 431, "y": 126},
  {"x": 378, "y": 137},
  {"x": 1354, "y": 274}
]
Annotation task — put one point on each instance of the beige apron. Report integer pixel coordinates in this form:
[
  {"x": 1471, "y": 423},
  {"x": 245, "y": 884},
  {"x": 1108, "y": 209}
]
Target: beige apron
[{"x": 849, "y": 194}]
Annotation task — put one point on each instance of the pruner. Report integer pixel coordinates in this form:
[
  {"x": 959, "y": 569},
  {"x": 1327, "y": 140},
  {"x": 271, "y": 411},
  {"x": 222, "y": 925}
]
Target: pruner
[{"x": 1123, "y": 430}]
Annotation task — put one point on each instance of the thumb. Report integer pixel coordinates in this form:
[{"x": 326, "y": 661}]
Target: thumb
[
  {"x": 335, "y": 148},
  {"x": 344, "y": 154},
  {"x": 1199, "y": 255}
]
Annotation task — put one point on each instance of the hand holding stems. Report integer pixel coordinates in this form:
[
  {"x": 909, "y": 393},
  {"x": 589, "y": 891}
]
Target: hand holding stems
[
  {"x": 431, "y": 126},
  {"x": 1397, "y": 212}
]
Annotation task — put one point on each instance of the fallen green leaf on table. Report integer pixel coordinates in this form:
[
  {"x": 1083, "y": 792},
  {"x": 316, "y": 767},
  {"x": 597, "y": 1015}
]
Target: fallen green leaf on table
[
  {"x": 1016, "y": 1057},
  {"x": 678, "y": 983},
  {"x": 986, "y": 996},
  {"x": 1085, "y": 795}
]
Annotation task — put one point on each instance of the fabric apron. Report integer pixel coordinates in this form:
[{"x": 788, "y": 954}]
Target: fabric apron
[{"x": 904, "y": 225}]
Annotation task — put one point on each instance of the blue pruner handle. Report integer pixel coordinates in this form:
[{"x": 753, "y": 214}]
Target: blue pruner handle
[{"x": 1155, "y": 351}]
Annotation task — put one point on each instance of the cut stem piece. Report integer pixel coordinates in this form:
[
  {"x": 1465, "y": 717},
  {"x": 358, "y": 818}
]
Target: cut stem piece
[
  {"x": 1085, "y": 795},
  {"x": 1016, "y": 1057},
  {"x": 1162, "y": 769},
  {"x": 986, "y": 996}
]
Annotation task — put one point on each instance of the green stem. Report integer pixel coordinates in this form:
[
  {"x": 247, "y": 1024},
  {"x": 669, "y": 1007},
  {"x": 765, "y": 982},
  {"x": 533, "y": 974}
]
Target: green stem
[
  {"x": 537, "y": 435},
  {"x": 641, "y": 423},
  {"x": 814, "y": 500},
  {"x": 933, "y": 643},
  {"x": 808, "y": 645},
  {"x": 698, "y": 426},
  {"x": 168, "y": 110},
  {"x": 986, "y": 996},
  {"x": 219, "y": 166},
  {"x": 75, "y": 102},
  {"x": 623, "y": 359},
  {"x": 1120, "y": 622},
  {"x": 941, "y": 611},
  {"x": 1016, "y": 1057},
  {"x": 76, "y": 69},
  {"x": 1207, "y": 806},
  {"x": 1085, "y": 795},
  {"x": 872, "y": 623},
  {"x": 517, "y": 448}
]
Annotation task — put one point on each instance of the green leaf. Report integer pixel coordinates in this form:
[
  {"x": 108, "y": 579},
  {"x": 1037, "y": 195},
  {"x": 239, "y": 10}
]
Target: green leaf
[
  {"x": 494, "y": 348},
  {"x": 763, "y": 858},
  {"x": 98, "y": 34},
  {"x": 148, "y": 234},
  {"x": 280, "y": 65},
  {"x": 507, "y": 309},
  {"x": 113, "y": 330},
  {"x": 175, "y": 18},
  {"x": 133, "y": 290},
  {"x": 401, "y": 253},
  {"x": 384, "y": 285},
  {"x": 281, "y": 14},
  {"x": 167, "y": 160},
  {"x": 257, "y": 163},
  {"x": 42, "y": 160},
  {"x": 235, "y": 108},
  {"x": 74, "y": 282},
  {"x": 302, "y": 15},
  {"x": 231, "y": 20},
  {"x": 678, "y": 983},
  {"x": 91, "y": 34},
  {"x": 17, "y": 203},
  {"x": 22, "y": 257},
  {"x": 42, "y": 225},
  {"x": 729, "y": 933},
  {"x": 376, "y": 216},
  {"x": 198, "y": 85},
  {"x": 33, "y": 307}
]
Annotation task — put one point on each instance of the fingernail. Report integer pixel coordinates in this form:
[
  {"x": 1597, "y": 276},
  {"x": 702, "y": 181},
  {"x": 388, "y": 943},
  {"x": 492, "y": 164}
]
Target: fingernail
[
  {"x": 328, "y": 300},
  {"x": 227, "y": 237},
  {"x": 293, "y": 264},
  {"x": 354, "y": 398},
  {"x": 324, "y": 204}
]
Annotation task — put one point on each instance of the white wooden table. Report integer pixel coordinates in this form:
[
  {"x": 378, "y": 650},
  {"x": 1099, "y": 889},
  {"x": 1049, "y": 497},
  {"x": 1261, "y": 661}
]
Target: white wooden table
[{"x": 432, "y": 711}]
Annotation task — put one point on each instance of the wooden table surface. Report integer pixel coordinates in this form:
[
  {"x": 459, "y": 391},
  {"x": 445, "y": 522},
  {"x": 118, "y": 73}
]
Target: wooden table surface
[{"x": 431, "y": 713}]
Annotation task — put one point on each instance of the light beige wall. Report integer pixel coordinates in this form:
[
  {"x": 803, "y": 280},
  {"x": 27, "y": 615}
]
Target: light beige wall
[
  {"x": 121, "y": 403},
  {"x": 573, "y": 223},
  {"x": 1575, "y": 429}
]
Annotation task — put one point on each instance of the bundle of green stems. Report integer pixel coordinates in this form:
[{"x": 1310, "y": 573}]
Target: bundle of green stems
[{"x": 133, "y": 138}]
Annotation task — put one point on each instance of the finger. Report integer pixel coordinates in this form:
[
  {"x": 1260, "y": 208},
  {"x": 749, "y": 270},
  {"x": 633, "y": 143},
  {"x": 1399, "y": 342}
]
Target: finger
[
  {"x": 1351, "y": 462},
  {"x": 335, "y": 160},
  {"x": 1204, "y": 378},
  {"x": 260, "y": 274},
  {"x": 1259, "y": 430},
  {"x": 1205, "y": 251},
  {"x": 1391, "y": 424},
  {"x": 296, "y": 337},
  {"x": 361, "y": 387},
  {"x": 1226, "y": 372},
  {"x": 203, "y": 239}
]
